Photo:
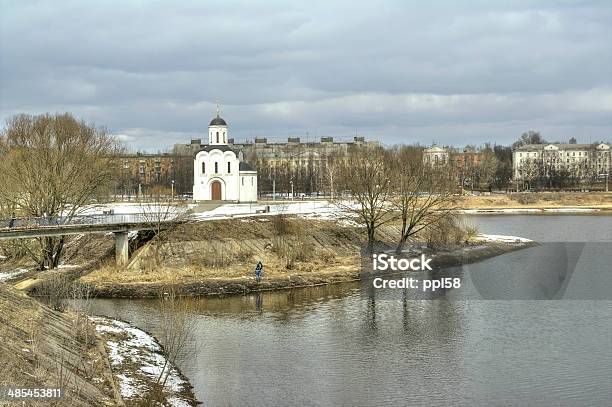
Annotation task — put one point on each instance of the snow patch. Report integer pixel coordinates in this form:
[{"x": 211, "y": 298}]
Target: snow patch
[
  {"x": 127, "y": 386},
  {"x": 503, "y": 238},
  {"x": 113, "y": 353},
  {"x": 136, "y": 359},
  {"x": 177, "y": 402},
  {"x": 11, "y": 274},
  {"x": 67, "y": 266}
]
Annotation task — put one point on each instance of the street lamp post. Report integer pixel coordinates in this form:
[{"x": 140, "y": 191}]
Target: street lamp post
[
  {"x": 172, "y": 184},
  {"x": 291, "y": 182}
]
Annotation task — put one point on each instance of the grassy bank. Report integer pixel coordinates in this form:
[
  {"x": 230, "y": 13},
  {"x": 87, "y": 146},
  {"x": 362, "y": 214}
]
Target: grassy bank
[
  {"x": 599, "y": 200},
  {"x": 42, "y": 348},
  {"x": 218, "y": 257},
  {"x": 92, "y": 361}
]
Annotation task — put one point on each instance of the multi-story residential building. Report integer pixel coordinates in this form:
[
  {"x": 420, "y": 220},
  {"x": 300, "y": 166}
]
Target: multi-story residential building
[
  {"x": 147, "y": 168},
  {"x": 140, "y": 172},
  {"x": 581, "y": 161},
  {"x": 294, "y": 149}
]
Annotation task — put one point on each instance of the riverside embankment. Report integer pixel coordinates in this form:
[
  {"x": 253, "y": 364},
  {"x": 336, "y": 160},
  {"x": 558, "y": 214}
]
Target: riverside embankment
[
  {"x": 218, "y": 257},
  {"x": 89, "y": 361}
]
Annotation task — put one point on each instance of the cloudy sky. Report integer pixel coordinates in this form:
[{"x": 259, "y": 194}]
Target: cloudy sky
[{"x": 454, "y": 72}]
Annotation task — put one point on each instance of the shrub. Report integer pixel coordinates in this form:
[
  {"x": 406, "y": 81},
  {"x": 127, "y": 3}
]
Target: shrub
[
  {"x": 450, "y": 231},
  {"x": 55, "y": 290},
  {"x": 525, "y": 199},
  {"x": 292, "y": 250}
]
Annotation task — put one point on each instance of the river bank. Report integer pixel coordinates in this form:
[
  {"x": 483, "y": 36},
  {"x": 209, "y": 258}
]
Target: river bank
[
  {"x": 44, "y": 348},
  {"x": 546, "y": 202},
  {"x": 218, "y": 257},
  {"x": 93, "y": 361}
]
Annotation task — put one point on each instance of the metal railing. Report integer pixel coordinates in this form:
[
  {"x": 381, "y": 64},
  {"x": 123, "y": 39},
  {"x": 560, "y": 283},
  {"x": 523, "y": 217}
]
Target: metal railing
[{"x": 84, "y": 220}]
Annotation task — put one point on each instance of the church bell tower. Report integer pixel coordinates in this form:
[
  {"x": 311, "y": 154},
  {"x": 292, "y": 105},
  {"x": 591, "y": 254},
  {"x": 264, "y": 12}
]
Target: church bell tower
[{"x": 217, "y": 131}]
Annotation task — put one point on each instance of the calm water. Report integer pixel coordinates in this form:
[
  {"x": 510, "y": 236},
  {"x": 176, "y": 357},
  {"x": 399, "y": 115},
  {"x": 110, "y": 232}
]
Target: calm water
[{"x": 344, "y": 345}]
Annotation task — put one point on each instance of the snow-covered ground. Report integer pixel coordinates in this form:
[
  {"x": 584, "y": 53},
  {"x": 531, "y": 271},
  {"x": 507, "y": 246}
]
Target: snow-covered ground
[
  {"x": 308, "y": 209},
  {"x": 136, "y": 360},
  {"x": 322, "y": 208},
  {"x": 126, "y": 208},
  {"x": 7, "y": 275},
  {"x": 503, "y": 238}
]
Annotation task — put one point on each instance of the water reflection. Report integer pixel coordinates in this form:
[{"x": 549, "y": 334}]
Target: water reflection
[{"x": 348, "y": 345}]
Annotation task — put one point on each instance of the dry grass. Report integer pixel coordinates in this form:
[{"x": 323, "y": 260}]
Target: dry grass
[
  {"x": 539, "y": 199},
  {"x": 44, "y": 348},
  {"x": 230, "y": 249}
]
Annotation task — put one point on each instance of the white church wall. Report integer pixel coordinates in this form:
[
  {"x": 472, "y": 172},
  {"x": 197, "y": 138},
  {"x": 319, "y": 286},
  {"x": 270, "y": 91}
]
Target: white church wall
[
  {"x": 202, "y": 181},
  {"x": 248, "y": 186}
]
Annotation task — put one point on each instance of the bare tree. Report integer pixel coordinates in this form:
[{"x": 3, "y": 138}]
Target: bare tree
[
  {"x": 332, "y": 167},
  {"x": 365, "y": 175},
  {"x": 487, "y": 166},
  {"x": 423, "y": 193},
  {"x": 163, "y": 217},
  {"x": 529, "y": 137},
  {"x": 530, "y": 171},
  {"x": 52, "y": 166},
  {"x": 177, "y": 325}
]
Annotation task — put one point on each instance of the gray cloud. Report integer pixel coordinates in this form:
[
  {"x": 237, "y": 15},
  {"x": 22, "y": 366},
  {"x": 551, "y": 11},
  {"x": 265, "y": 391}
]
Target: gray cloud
[{"x": 455, "y": 72}]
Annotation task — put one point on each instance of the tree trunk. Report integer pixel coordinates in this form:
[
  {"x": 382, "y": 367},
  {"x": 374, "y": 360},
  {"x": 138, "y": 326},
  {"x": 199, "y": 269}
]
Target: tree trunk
[
  {"x": 403, "y": 236},
  {"x": 401, "y": 244},
  {"x": 371, "y": 233},
  {"x": 52, "y": 250}
]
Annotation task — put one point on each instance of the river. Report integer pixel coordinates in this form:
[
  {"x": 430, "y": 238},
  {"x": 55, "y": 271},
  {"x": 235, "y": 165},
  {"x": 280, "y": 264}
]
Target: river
[{"x": 495, "y": 341}]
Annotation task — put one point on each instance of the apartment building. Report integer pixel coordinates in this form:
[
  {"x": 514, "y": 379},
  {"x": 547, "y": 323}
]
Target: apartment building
[{"x": 579, "y": 160}]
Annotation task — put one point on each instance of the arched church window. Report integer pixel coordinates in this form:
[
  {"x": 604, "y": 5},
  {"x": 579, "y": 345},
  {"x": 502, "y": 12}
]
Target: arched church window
[
  {"x": 242, "y": 181},
  {"x": 216, "y": 168},
  {"x": 229, "y": 166},
  {"x": 203, "y": 168},
  {"x": 251, "y": 181},
  {"x": 217, "y": 137}
]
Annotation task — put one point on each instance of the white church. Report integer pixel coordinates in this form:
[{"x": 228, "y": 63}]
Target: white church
[{"x": 219, "y": 172}]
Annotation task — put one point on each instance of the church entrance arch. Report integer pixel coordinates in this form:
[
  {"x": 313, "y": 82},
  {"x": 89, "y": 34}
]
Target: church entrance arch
[{"x": 215, "y": 191}]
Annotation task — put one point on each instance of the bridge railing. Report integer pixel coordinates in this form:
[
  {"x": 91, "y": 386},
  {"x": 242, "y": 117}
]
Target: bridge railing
[{"x": 98, "y": 219}]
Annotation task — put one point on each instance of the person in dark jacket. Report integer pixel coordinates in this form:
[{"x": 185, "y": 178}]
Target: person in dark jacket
[{"x": 258, "y": 270}]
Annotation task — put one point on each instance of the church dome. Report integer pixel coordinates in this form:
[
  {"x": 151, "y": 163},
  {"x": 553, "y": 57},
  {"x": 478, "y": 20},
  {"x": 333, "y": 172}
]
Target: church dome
[{"x": 217, "y": 121}]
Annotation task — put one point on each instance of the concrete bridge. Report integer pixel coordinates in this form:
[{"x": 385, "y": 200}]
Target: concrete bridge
[{"x": 118, "y": 224}]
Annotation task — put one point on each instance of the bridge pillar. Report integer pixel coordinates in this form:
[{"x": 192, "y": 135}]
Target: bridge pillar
[{"x": 122, "y": 255}]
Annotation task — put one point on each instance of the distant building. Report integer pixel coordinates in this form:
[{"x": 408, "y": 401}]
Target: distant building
[
  {"x": 294, "y": 151},
  {"x": 219, "y": 171},
  {"x": 141, "y": 171},
  {"x": 460, "y": 158},
  {"x": 578, "y": 160},
  {"x": 436, "y": 155}
]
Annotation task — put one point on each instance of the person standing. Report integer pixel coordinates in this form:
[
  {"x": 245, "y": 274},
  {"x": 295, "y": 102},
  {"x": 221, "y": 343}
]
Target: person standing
[{"x": 258, "y": 271}]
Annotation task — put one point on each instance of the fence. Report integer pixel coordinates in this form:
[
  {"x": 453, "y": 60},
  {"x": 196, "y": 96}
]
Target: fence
[{"x": 106, "y": 219}]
